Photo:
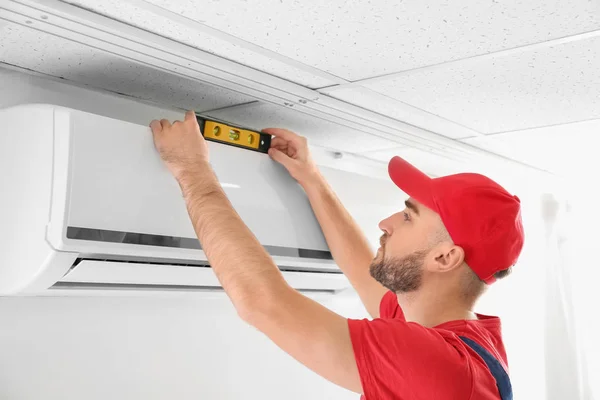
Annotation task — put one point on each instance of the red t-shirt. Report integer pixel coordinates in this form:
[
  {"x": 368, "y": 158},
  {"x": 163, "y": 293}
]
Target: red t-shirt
[{"x": 404, "y": 360}]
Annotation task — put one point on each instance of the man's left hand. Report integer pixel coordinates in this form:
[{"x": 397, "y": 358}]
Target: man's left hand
[{"x": 181, "y": 144}]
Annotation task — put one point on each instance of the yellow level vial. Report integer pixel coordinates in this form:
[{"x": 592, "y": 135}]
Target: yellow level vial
[{"x": 227, "y": 133}]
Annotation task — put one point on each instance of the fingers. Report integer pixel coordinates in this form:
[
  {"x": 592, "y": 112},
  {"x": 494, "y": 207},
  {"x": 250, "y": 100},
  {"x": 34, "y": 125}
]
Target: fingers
[
  {"x": 282, "y": 133},
  {"x": 277, "y": 155},
  {"x": 281, "y": 157},
  {"x": 165, "y": 123},
  {"x": 190, "y": 116},
  {"x": 156, "y": 126},
  {"x": 279, "y": 142}
]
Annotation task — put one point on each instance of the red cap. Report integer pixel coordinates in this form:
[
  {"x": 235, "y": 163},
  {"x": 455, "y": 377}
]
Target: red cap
[{"x": 480, "y": 215}]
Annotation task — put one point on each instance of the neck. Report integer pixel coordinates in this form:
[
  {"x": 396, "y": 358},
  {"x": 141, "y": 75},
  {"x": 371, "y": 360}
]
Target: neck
[{"x": 431, "y": 308}]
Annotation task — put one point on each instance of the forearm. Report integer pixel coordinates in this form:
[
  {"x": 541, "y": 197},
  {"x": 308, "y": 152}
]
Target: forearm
[
  {"x": 243, "y": 267},
  {"x": 311, "y": 333},
  {"x": 347, "y": 242}
]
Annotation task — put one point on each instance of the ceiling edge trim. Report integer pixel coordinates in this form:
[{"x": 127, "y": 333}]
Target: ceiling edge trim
[
  {"x": 237, "y": 41},
  {"x": 469, "y": 132}
]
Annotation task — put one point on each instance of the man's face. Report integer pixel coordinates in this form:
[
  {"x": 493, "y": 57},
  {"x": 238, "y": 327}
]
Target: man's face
[{"x": 405, "y": 246}]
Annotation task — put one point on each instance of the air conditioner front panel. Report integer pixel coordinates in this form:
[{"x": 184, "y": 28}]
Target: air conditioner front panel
[
  {"x": 90, "y": 272},
  {"x": 121, "y": 196}
]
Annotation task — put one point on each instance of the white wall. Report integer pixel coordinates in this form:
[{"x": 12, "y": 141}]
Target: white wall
[{"x": 146, "y": 348}]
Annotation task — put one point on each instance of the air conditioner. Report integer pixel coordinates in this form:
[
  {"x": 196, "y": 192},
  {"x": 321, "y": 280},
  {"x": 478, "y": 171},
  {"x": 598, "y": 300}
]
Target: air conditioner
[{"x": 87, "y": 203}]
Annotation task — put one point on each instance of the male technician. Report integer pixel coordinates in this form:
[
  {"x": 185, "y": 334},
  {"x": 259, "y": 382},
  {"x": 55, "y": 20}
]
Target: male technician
[{"x": 456, "y": 235}]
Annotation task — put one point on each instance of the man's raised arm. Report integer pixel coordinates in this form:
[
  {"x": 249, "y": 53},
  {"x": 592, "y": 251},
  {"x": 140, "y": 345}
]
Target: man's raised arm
[
  {"x": 346, "y": 241},
  {"x": 309, "y": 332}
]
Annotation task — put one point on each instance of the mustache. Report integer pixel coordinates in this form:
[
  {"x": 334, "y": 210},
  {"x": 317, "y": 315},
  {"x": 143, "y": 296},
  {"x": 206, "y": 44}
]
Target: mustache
[{"x": 383, "y": 239}]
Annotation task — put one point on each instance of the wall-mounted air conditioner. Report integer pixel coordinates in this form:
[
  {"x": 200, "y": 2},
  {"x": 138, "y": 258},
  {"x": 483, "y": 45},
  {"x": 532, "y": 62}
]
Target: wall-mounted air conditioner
[{"x": 87, "y": 203}]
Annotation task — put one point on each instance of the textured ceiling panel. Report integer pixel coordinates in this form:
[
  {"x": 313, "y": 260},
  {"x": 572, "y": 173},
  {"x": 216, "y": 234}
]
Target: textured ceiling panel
[
  {"x": 382, "y": 104},
  {"x": 318, "y": 131},
  {"x": 181, "y": 29},
  {"x": 360, "y": 39},
  {"x": 37, "y": 51},
  {"x": 570, "y": 149},
  {"x": 526, "y": 89}
]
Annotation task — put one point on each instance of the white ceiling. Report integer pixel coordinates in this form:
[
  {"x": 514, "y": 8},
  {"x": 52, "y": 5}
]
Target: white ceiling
[
  {"x": 571, "y": 148},
  {"x": 508, "y": 91},
  {"x": 34, "y": 50},
  {"x": 185, "y": 30},
  {"x": 360, "y": 39},
  {"x": 522, "y": 73}
]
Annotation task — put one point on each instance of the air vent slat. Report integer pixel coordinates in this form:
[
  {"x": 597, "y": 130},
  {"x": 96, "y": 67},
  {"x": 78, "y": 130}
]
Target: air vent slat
[
  {"x": 191, "y": 288},
  {"x": 200, "y": 265},
  {"x": 91, "y": 273}
]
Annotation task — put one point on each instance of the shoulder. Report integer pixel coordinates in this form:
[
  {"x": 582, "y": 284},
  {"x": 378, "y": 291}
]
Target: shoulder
[
  {"x": 394, "y": 356},
  {"x": 486, "y": 331}
]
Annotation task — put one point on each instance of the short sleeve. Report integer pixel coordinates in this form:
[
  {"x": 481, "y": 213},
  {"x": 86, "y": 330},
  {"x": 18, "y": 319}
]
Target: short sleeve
[
  {"x": 398, "y": 359},
  {"x": 389, "y": 307}
]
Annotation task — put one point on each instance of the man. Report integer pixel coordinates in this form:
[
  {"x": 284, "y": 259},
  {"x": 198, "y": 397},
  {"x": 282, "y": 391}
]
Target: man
[{"x": 456, "y": 235}]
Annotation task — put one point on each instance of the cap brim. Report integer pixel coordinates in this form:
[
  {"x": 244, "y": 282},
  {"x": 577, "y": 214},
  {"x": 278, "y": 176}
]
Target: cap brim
[{"x": 412, "y": 181}]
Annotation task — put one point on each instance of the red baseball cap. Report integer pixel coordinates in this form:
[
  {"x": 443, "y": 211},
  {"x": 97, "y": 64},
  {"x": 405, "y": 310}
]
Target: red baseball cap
[{"x": 479, "y": 214}]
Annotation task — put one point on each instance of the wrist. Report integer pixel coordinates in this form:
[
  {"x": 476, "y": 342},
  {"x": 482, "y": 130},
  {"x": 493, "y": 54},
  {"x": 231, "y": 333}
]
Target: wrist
[
  {"x": 185, "y": 171},
  {"x": 200, "y": 176},
  {"x": 312, "y": 181}
]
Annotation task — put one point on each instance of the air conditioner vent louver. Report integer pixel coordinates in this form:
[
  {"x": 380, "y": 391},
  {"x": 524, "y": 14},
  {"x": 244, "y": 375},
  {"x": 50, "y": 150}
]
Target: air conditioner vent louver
[
  {"x": 86, "y": 286},
  {"x": 98, "y": 273},
  {"x": 198, "y": 265}
]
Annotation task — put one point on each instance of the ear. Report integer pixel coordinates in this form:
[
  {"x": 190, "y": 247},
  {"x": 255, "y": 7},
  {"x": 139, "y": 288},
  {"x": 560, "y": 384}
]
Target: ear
[{"x": 447, "y": 257}]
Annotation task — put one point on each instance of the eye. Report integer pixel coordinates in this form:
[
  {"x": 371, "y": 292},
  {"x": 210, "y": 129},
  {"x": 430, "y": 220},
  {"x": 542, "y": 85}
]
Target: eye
[{"x": 406, "y": 216}]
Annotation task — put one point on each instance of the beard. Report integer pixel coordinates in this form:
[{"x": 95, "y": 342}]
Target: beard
[{"x": 400, "y": 275}]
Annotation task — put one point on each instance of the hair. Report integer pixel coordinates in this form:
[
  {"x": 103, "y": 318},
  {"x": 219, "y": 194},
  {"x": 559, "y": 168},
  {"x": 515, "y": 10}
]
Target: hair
[
  {"x": 503, "y": 274},
  {"x": 473, "y": 286}
]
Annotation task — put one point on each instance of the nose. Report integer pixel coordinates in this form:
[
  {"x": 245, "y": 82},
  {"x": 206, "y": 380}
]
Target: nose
[{"x": 386, "y": 226}]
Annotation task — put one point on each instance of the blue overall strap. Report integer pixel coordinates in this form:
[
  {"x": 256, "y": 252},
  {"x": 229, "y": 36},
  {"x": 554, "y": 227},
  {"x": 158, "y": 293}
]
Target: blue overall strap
[{"x": 497, "y": 370}]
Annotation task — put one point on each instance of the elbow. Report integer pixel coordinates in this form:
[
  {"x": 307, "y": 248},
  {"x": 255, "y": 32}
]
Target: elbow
[
  {"x": 253, "y": 312},
  {"x": 249, "y": 313},
  {"x": 261, "y": 306}
]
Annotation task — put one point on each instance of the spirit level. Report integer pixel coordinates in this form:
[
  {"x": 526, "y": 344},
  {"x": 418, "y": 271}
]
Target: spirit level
[{"x": 226, "y": 133}]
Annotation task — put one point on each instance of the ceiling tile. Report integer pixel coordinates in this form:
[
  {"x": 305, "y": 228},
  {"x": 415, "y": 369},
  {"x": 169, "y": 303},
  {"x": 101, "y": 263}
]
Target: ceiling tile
[
  {"x": 385, "y": 105},
  {"x": 568, "y": 149},
  {"x": 319, "y": 132},
  {"x": 184, "y": 30},
  {"x": 507, "y": 92},
  {"x": 31, "y": 49},
  {"x": 356, "y": 40}
]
